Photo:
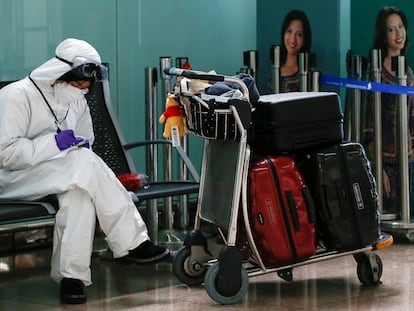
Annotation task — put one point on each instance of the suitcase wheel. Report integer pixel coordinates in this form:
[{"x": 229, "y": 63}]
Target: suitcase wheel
[
  {"x": 369, "y": 268},
  {"x": 216, "y": 293},
  {"x": 189, "y": 265}
]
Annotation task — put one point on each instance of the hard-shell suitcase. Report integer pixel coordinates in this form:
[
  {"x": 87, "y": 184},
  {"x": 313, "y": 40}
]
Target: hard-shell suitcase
[
  {"x": 345, "y": 194},
  {"x": 281, "y": 212},
  {"x": 293, "y": 121}
]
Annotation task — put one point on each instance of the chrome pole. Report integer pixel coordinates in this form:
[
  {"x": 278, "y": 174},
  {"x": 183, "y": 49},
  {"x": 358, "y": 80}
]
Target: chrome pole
[
  {"x": 402, "y": 140},
  {"x": 356, "y": 109},
  {"x": 303, "y": 71},
  {"x": 166, "y": 62},
  {"x": 151, "y": 118},
  {"x": 315, "y": 81},
  {"x": 313, "y": 75},
  {"x": 180, "y": 61},
  {"x": 376, "y": 61},
  {"x": 275, "y": 57},
  {"x": 348, "y": 107},
  {"x": 184, "y": 217},
  {"x": 251, "y": 59}
]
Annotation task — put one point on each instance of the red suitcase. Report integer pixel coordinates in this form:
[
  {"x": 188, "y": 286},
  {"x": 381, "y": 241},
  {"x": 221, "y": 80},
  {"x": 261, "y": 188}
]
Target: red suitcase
[{"x": 282, "y": 212}]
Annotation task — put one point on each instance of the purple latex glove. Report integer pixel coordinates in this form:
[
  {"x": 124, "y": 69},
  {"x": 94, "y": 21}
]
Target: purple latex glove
[{"x": 66, "y": 139}]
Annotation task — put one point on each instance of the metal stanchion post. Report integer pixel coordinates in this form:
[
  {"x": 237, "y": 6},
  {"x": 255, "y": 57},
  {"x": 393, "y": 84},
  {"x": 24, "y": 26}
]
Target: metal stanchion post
[
  {"x": 376, "y": 70},
  {"x": 356, "y": 102},
  {"x": 181, "y": 62},
  {"x": 275, "y": 58},
  {"x": 168, "y": 202},
  {"x": 348, "y": 107},
  {"x": 315, "y": 81},
  {"x": 151, "y": 155},
  {"x": 313, "y": 77},
  {"x": 184, "y": 217},
  {"x": 166, "y": 62},
  {"x": 251, "y": 60},
  {"x": 353, "y": 106},
  {"x": 303, "y": 71},
  {"x": 402, "y": 140}
]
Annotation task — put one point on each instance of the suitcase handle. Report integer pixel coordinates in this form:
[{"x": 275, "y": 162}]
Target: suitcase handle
[
  {"x": 310, "y": 203},
  {"x": 292, "y": 209}
]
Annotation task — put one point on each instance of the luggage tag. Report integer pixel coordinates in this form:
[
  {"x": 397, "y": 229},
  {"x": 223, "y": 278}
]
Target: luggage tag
[{"x": 175, "y": 136}]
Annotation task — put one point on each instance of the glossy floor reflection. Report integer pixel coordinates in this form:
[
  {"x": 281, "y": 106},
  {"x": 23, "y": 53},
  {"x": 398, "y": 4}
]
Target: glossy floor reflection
[{"x": 328, "y": 285}]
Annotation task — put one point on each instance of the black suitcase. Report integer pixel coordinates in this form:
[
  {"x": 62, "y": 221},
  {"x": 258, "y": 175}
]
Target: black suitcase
[
  {"x": 293, "y": 121},
  {"x": 345, "y": 194}
]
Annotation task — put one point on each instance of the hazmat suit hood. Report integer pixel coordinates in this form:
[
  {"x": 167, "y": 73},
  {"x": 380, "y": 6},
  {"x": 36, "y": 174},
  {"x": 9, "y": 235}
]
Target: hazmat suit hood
[
  {"x": 46, "y": 74},
  {"x": 32, "y": 112}
]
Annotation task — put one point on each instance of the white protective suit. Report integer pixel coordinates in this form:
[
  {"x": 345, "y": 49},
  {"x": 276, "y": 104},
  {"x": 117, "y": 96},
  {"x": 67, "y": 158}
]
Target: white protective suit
[{"x": 86, "y": 188}]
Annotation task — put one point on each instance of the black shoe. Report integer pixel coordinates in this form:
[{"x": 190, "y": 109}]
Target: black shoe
[
  {"x": 146, "y": 252},
  {"x": 72, "y": 291}
]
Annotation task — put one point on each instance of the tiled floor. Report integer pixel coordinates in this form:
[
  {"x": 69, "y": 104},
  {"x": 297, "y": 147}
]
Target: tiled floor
[{"x": 327, "y": 285}]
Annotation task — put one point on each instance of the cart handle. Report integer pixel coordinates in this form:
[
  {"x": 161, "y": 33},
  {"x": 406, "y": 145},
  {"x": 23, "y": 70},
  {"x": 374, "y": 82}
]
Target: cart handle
[
  {"x": 209, "y": 77},
  {"x": 193, "y": 74}
]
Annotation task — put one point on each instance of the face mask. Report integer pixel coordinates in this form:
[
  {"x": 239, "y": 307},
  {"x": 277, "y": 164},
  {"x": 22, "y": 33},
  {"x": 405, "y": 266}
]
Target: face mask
[{"x": 66, "y": 93}]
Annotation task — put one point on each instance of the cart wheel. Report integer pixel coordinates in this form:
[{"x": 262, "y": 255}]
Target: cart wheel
[
  {"x": 190, "y": 273},
  {"x": 213, "y": 292},
  {"x": 368, "y": 275}
]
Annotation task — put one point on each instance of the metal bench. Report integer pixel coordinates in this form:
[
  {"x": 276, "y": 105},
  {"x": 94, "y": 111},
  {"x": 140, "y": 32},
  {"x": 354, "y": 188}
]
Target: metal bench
[{"x": 17, "y": 216}]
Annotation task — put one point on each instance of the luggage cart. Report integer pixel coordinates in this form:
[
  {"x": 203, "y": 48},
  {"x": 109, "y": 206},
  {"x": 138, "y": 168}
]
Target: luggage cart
[{"x": 223, "y": 202}]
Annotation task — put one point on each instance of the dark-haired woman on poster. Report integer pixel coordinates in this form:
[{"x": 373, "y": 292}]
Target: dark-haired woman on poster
[{"x": 391, "y": 38}]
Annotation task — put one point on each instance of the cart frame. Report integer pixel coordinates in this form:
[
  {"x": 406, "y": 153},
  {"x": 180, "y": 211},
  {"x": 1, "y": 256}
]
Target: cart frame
[{"x": 226, "y": 277}]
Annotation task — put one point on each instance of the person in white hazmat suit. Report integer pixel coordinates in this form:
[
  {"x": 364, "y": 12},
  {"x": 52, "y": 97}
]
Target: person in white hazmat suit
[{"x": 45, "y": 139}]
